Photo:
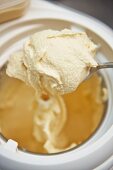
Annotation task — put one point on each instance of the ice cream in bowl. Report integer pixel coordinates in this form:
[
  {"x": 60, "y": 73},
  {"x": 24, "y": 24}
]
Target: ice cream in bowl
[{"x": 45, "y": 105}]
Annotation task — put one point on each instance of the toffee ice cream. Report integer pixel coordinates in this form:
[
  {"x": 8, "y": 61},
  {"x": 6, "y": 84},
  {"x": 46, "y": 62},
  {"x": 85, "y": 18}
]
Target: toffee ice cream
[{"x": 54, "y": 63}]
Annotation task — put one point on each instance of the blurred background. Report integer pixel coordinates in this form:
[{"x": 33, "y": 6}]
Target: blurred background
[{"x": 100, "y": 9}]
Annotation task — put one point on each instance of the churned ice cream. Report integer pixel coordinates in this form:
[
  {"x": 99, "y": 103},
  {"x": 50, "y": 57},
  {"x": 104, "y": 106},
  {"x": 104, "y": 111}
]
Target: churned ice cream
[
  {"x": 54, "y": 60},
  {"x": 53, "y": 63}
]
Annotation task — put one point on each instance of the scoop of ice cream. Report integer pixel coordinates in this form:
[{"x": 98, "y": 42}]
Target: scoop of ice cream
[{"x": 55, "y": 60}]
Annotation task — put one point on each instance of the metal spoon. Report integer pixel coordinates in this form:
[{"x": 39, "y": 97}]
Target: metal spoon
[{"x": 93, "y": 69}]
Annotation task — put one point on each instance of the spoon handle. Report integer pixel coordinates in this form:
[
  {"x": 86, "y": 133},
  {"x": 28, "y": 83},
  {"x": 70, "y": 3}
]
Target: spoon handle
[
  {"x": 98, "y": 67},
  {"x": 105, "y": 65}
]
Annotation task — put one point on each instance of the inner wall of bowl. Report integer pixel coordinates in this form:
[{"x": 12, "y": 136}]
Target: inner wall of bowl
[{"x": 13, "y": 37}]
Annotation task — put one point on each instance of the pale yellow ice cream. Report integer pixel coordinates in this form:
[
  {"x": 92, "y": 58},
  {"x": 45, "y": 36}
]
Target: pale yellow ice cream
[{"x": 53, "y": 62}]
